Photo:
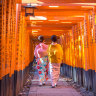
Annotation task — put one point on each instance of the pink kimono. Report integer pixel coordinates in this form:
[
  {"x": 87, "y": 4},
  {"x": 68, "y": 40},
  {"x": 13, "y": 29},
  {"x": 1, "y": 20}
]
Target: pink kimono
[
  {"x": 41, "y": 50},
  {"x": 42, "y": 61}
]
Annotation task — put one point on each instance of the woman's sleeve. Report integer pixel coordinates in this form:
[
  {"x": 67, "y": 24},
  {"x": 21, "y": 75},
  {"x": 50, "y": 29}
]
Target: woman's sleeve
[{"x": 35, "y": 52}]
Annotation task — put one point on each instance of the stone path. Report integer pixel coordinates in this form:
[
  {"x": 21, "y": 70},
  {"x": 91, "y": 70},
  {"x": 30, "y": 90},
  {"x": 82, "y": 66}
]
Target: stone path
[{"x": 62, "y": 89}]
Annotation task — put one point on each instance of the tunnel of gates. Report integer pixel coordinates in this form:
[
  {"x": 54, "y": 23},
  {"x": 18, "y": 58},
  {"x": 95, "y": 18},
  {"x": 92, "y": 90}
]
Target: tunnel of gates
[{"x": 17, "y": 47}]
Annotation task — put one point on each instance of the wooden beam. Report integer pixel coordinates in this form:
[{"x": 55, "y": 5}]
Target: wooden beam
[{"x": 18, "y": 1}]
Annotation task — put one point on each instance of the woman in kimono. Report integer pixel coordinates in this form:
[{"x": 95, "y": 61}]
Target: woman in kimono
[
  {"x": 41, "y": 55},
  {"x": 55, "y": 54}
]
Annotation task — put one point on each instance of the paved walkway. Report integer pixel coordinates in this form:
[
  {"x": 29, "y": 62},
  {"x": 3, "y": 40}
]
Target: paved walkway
[{"x": 62, "y": 89}]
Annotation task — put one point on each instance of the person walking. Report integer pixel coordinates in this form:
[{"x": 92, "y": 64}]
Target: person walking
[
  {"x": 55, "y": 55},
  {"x": 41, "y": 54}
]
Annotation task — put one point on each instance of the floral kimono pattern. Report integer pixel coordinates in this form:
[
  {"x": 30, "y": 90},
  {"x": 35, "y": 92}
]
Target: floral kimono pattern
[{"x": 42, "y": 66}]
